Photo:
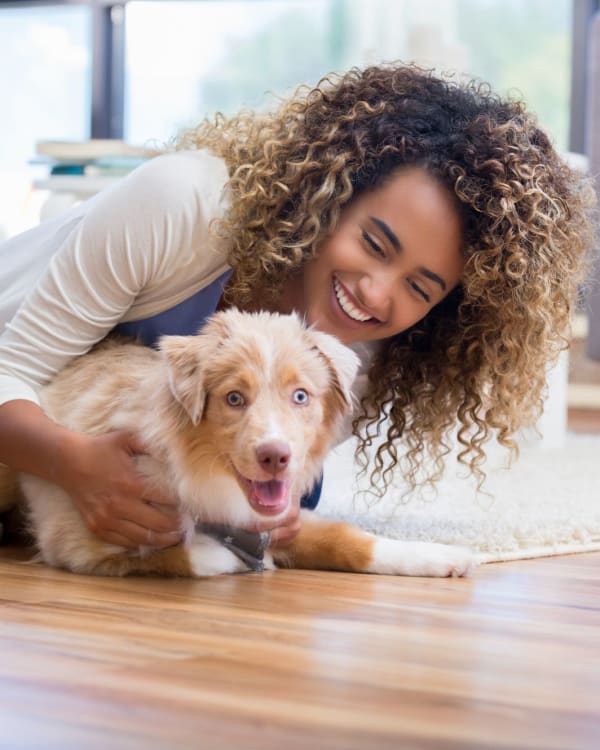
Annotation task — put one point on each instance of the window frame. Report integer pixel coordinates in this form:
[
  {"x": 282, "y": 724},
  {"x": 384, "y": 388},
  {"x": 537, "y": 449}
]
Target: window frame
[
  {"x": 583, "y": 12},
  {"x": 108, "y": 61}
]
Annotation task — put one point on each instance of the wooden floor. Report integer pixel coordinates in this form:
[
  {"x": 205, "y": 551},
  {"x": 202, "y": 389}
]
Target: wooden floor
[
  {"x": 307, "y": 661},
  {"x": 507, "y": 659}
]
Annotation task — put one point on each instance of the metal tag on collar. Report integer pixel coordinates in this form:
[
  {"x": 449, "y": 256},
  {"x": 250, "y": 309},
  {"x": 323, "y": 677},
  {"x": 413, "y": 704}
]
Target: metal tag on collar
[{"x": 249, "y": 546}]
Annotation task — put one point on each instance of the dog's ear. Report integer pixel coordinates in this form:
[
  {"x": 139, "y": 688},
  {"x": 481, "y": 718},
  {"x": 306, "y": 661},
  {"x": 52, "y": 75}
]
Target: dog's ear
[
  {"x": 184, "y": 358},
  {"x": 342, "y": 362},
  {"x": 187, "y": 358}
]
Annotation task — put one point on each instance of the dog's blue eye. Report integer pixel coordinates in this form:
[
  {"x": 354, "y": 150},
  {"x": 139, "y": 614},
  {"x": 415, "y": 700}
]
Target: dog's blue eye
[
  {"x": 235, "y": 398},
  {"x": 300, "y": 396}
]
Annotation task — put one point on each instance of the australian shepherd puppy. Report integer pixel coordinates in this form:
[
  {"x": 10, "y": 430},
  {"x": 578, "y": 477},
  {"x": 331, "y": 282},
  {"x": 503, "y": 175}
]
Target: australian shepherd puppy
[{"x": 236, "y": 421}]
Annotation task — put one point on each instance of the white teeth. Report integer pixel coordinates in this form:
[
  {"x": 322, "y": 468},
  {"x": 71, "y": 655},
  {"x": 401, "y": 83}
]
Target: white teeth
[{"x": 347, "y": 306}]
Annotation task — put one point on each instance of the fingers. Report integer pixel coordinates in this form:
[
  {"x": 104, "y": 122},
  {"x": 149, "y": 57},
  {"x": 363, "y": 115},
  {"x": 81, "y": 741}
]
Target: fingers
[
  {"x": 137, "y": 521},
  {"x": 131, "y": 443},
  {"x": 149, "y": 492},
  {"x": 163, "y": 502},
  {"x": 159, "y": 518},
  {"x": 132, "y": 523},
  {"x": 283, "y": 536},
  {"x": 131, "y": 536},
  {"x": 266, "y": 524},
  {"x": 115, "y": 500}
]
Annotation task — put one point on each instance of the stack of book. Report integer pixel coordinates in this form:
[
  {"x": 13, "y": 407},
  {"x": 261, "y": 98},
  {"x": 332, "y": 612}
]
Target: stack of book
[{"x": 96, "y": 157}]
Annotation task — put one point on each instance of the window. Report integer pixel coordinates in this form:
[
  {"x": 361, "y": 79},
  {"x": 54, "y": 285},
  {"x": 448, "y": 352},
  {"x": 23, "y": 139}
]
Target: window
[
  {"x": 186, "y": 60},
  {"x": 45, "y": 94}
]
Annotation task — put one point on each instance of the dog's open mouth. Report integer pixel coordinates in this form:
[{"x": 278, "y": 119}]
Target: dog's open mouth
[{"x": 270, "y": 497}]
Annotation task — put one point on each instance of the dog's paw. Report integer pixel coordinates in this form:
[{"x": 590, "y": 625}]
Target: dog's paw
[
  {"x": 394, "y": 557},
  {"x": 269, "y": 562},
  {"x": 208, "y": 557},
  {"x": 448, "y": 561}
]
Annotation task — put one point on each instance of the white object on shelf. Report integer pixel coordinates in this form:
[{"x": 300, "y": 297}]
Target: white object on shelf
[{"x": 96, "y": 148}]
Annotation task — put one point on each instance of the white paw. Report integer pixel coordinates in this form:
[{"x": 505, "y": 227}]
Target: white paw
[
  {"x": 395, "y": 557},
  {"x": 447, "y": 561},
  {"x": 208, "y": 557},
  {"x": 268, "y": 562}
]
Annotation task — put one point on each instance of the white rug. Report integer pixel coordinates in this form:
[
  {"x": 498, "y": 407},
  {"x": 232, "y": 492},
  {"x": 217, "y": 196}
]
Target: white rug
[{"x": 547, "y": 503}]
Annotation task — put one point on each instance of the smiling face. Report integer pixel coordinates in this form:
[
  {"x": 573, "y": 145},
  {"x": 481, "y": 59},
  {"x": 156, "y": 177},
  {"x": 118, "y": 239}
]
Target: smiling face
[{"x": 394, "y": 255}]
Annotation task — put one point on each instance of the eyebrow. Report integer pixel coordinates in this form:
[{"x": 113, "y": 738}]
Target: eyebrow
[
  {"x": 434, "y": 277},
  {"x": 396, "y": 243},
  {"x": 387, "y": 231}
]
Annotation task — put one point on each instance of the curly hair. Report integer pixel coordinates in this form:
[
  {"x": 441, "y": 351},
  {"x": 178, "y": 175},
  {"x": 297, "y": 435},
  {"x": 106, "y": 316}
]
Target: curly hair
[{"x": 475, "y": 366}]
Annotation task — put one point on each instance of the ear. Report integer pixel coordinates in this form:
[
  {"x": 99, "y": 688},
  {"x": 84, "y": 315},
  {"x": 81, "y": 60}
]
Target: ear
[
  {"x": 342, "y": 362},
  {"x": 187, "y": 358},
  {"x": 184, "y": 358}
]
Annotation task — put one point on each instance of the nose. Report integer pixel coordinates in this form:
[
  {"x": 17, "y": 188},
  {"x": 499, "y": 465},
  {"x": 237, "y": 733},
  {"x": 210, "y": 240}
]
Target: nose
[
  {"x": 273, "y": 456},
  {"x": 374, "y": 292}
]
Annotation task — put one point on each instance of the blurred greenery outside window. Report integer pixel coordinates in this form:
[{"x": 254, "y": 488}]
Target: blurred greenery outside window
[{"x": 187, "y": 60}]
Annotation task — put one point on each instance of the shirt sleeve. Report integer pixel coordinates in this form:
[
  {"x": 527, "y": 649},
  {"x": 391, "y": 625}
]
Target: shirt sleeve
[{"x": 129, "y": 237}]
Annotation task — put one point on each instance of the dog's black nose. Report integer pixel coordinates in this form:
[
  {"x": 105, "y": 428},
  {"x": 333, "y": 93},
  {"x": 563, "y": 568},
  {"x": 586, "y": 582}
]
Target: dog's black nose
[{"x": 273, "y": 456}]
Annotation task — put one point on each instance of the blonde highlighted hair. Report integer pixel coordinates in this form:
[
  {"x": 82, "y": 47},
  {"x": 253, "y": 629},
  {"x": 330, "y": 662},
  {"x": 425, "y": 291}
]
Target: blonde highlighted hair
[{"x": 475, "y": 366}]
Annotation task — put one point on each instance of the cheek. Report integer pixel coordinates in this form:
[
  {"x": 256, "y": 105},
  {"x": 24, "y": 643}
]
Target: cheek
[
  {"x": 336, "y": 254},
  {"x": 315, "y": 278},
  {"x": 343, "y": 253},
  {"x": 298, "y": 423},
  {"x": 224, "y": 421},
  {"x": 408, "y": 312},
  {"x": 317, "y": 429}
]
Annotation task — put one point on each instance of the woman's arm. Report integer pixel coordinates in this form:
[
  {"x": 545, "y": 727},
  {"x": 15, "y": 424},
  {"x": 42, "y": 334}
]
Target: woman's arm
[
  {"x": 97, "y": 472},
  {"x": 131, "y": 237}
]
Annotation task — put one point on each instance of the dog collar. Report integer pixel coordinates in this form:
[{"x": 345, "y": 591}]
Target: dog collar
[{"x": 249, "y": 546}]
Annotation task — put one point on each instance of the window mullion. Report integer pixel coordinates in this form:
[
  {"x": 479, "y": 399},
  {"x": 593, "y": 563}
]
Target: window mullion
[{"x": 108, "y": 71}]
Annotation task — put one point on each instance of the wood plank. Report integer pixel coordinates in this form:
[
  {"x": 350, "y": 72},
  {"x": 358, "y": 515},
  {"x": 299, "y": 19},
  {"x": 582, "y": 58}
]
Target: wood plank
[
  {"x": 584, "y": 421},
  {"x": 507, "y": 659}
]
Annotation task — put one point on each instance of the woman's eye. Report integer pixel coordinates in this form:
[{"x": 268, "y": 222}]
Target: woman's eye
[
  {"x": 420, "y": 291},
  {"x": 375, "y": 246},
  {"x": 300, "y": 397},
  {"x": 235, "y": 398}
]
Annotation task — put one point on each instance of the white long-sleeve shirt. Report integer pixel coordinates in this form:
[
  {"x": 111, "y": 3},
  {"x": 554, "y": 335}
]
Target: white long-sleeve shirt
[{"x": 130, "y": 252}]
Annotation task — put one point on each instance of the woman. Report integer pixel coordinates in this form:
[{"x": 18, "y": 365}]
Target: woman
[{"x": 427, "y": 223}]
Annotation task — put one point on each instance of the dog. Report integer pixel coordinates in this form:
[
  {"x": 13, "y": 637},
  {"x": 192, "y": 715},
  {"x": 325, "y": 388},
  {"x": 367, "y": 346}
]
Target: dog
[{"x": 237, "y": 421}]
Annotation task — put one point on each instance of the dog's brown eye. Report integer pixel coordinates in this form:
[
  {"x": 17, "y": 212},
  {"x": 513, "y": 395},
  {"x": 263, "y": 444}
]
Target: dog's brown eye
[
  {"x": 235, "y": 398},
  {"x": 300, "y": 396}
]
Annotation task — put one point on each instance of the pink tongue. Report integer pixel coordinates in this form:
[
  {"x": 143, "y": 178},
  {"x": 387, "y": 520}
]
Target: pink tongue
[{"x": 271, "y": 492}]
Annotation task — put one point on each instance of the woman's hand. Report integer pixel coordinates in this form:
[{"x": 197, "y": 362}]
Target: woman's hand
[
  {"x": 284, "y": 535},
  {"x": 117, "y": 505}
]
